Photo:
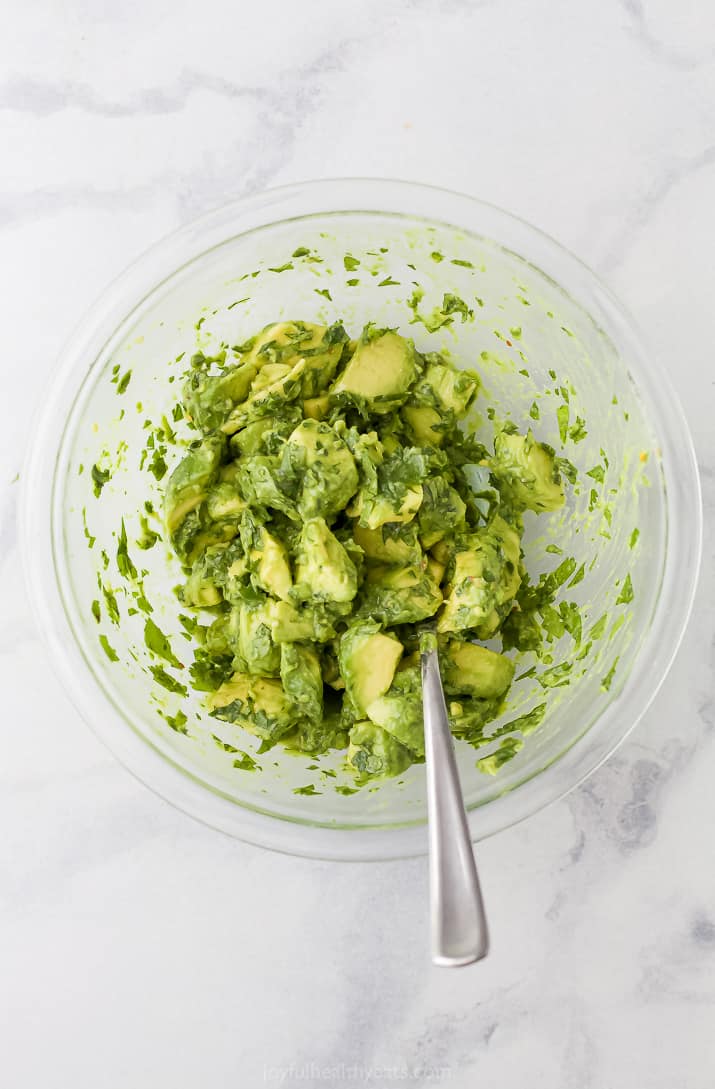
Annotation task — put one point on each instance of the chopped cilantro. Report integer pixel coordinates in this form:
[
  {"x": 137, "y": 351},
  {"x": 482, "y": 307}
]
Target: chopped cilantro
[
  {"x": 578, "y": 431},
  {"x": 100, "y": 478},
  {"x": 177, "y": 722},
  {"x": 562, "y": 416},
  {"x": 167, "y": 681},
  {"x": 158, "y": 643},
  {"x": 608, "y": 679},
  {"x": 108, "y": 649},
  {"x": 244, "y": 762},
  {"x": 626, "y": 594},
  {"x": 124, "y": 563},
  {"x": 124, "y": 382}
]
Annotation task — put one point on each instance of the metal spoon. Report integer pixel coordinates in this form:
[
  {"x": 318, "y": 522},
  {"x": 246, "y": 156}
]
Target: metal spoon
[{"x": 458, "y": 922}]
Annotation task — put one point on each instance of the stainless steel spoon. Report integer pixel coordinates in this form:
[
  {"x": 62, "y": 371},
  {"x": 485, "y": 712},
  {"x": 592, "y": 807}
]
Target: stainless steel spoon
[{"x": 458, "y": 922}]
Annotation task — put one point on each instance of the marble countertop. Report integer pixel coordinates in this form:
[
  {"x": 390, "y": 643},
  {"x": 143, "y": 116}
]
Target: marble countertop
[{"x": 138, "y": 948}]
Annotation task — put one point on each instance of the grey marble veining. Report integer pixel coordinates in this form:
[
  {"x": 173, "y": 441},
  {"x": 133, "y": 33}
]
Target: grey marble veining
[{"x": 139, "y": 948}]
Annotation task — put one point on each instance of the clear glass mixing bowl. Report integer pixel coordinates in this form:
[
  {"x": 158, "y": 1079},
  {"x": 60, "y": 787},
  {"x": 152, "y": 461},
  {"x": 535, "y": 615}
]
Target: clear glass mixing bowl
[{"x": 543, "y": 331}]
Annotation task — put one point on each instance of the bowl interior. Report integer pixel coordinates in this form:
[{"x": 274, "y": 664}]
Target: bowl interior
[{"x": 547, "y": 361}]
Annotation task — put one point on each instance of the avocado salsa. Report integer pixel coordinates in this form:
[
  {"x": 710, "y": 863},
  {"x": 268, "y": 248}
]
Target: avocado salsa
[{"x": 335, "y": 506}]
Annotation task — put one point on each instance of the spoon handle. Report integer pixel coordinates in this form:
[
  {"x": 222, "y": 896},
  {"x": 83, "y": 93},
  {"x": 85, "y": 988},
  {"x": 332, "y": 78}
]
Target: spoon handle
[{"x": 459, "y": 926}]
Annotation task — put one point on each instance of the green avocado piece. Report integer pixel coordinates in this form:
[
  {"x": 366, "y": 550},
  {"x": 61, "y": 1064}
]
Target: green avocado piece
[
  {"x": 209, "y": 399},
  {"x": 314, "y": 623},
  {"x": 441, "y": 513},
  {"x": 453, "y": 390},
  {"x": 286, "y": 343},
  {"x": 468, "y": 717},
  {"x": 191, "y": 479},
  {"x": 396, "y": 544},
  {"x": 224, "y": 503},
  {"x": 368, "y": 660},
  {"x": 528, "y": 470},
  {"x": 373, "y": 753},
  {"x": 399, "y": 710},
  {"x": 267, "y": 400},
  {"x": 323, "y": 468},
  {"x": 424, "y": 423},
  {"x": 485, "y": 581},
  {"x": 323, "y": 569},
  {"x": 302, "y": 679},
  {"x": 251, "y": 636},
  {"x": 258, "y": 704},
  {"x": 381, "y": 370},
  {"x": 399, "y": 595},
  {"x": 471, "y": 670},
  {"x": 268, "y": 562}
]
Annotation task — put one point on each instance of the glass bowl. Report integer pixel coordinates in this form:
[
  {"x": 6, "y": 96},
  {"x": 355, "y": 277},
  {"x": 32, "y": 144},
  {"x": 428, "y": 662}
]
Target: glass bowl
[{"x": 556, "y": 351}]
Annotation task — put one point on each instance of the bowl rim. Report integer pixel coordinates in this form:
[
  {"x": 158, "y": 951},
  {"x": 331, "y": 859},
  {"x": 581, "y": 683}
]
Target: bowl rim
[{"x": 134, "y": 285}]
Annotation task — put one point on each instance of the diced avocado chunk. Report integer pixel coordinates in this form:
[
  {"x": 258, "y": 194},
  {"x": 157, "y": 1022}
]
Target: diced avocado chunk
[
  {"x": 269, "y": 375},
  {"x": 268, "y": 560},
  {"x": 198, "y": 533},
  {"x": 435, "y": 569},
  {"x": 529, "y": 471},
  {"x": 223, "y": 503},
  {"x": 390, "y": 480},
  {"x": 208, "y": 576},
  {"x": 319, "y": 736},
  {"x": 251, "y": 631},
  {"x": 396, "y": 544},
  {"x": 250, "y": 438},
  {"x": 468, "y": 717},
  {"x": 275, "y": 343},
  {"x": 209, "y": 399},
  {"x": 381, "y": 369},
  {"x": 302, "y": 679},
  {"x": 323, "y": 468},
  {"x": 258, "y": 479},
  {"x": 323, "y": 569},
  {"x": 368, "y": 660},
  {"x": 399, "y": 711},
  {"x": 471, "y": 670},
  {"x": 315, "y": 408},
  {"x": 199, "y": 591},
  {"x": 425, "y": 423},
  {"x": 486, "y": 579},
  {"x": 191, "y": 479},
  {"x": 313, "y": 623},
  {"x": 442, "y": 511},
  {"x": 374, "y": 511},
  {"x": 399, "y": 595},
  {"x": 258, "y": 704},
  {"x": 286, "y": 342},
  {"x": 373, "y": 753},
  {"x": 267, "y": 401},
  {"x": 322, "y": 353},
  {"x": 453, "y": 390}
]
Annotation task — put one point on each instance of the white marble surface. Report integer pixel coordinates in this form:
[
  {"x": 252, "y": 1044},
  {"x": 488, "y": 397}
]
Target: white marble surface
[{"x": 140, "y": 949}]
